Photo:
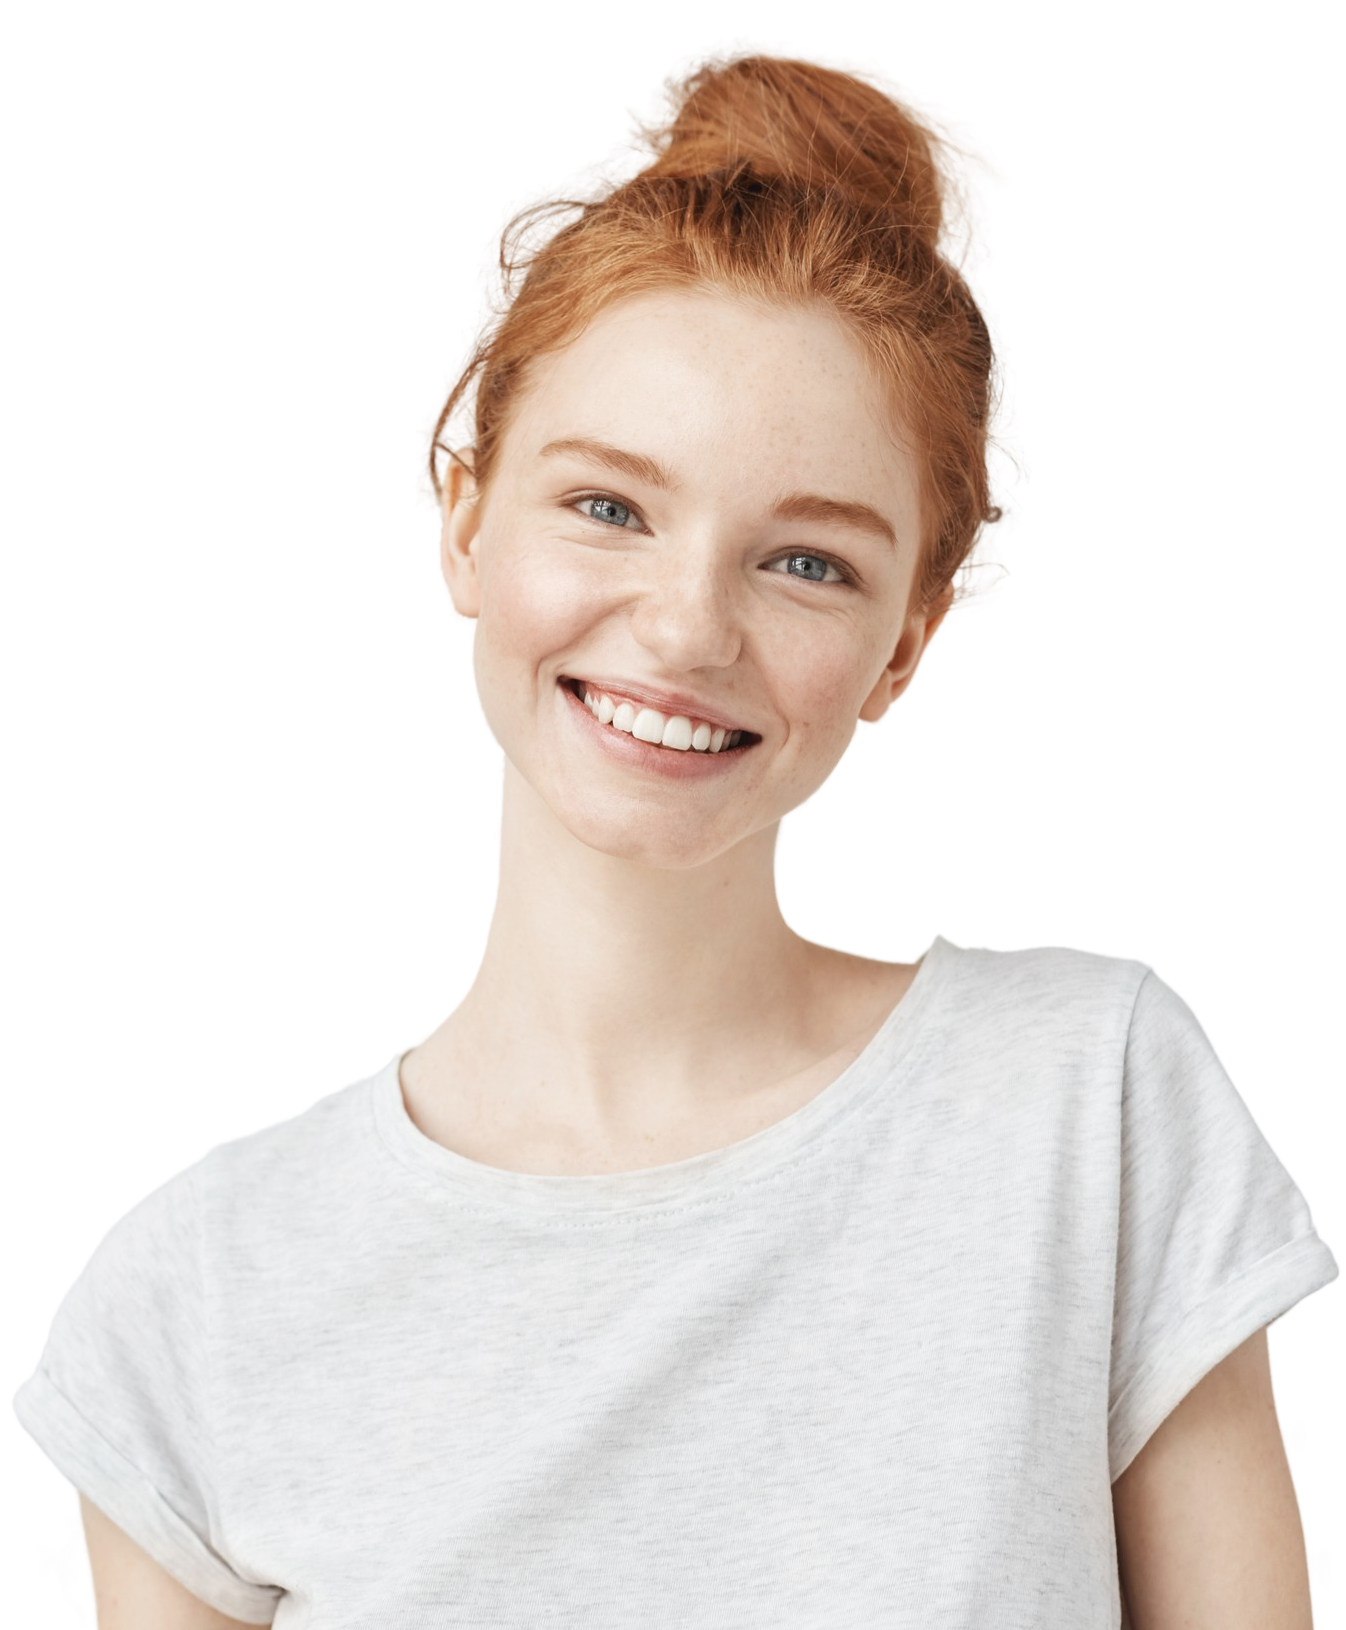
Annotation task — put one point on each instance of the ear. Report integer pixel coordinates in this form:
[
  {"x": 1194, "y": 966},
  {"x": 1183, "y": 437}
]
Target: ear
[
  {"x": 458, "y": 535},
  {"x": 899, "y": 670}
]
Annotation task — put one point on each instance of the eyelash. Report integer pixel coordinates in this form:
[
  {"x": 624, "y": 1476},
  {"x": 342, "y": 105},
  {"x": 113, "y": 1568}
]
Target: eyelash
[{"x": 848, "y": 577}]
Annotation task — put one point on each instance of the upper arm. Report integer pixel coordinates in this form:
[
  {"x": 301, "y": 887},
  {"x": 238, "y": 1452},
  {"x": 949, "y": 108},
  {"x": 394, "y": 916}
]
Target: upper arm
[
  {"x": 1208, "y": 1528},
  {"x": 131, "y": 1590}
]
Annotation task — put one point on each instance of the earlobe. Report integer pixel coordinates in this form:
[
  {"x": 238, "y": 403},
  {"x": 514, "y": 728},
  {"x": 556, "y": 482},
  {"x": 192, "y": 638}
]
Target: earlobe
[
  {"x": 458, "y": 536},
  {"x": 900, "y": 668}
]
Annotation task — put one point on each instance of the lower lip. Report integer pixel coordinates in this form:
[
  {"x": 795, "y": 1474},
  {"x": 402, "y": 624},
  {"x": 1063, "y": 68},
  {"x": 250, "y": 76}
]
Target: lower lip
[{"x": 644, "y": 755}]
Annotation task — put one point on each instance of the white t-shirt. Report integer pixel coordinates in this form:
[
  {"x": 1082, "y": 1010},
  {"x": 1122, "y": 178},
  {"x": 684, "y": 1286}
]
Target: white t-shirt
[{"x": 877, "y": 1364}]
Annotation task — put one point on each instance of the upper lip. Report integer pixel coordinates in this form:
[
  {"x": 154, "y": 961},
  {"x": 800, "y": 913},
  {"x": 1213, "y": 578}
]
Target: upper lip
[{"x": 668, "y": 702}]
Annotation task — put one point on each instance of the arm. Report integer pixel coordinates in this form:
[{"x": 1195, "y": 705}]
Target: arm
[
  {"x": 1208, "y": 1528},
  {"x": 131, "y": 1590}
]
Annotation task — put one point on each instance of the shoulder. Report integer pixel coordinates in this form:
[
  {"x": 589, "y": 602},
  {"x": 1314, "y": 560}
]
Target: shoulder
[{"x": 1051, "y": 990}]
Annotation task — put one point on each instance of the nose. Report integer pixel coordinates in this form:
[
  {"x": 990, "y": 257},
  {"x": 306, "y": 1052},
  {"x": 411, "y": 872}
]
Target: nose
[{"x": 687, "y": 614}]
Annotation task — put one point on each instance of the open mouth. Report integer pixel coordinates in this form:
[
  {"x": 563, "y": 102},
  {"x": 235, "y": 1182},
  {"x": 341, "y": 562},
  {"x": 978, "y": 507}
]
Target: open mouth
[{"x": 745, "y": 739}]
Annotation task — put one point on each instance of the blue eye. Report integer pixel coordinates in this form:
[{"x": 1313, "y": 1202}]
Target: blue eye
[
  {"x": 810, "y": 575},
  {"x": 610, "y": 511},
  {"x": 825, "y": 563}
]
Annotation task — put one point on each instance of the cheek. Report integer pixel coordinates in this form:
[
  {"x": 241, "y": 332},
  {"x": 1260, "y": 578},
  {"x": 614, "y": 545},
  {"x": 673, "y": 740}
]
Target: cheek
[
  {"x": 823, "y": 690},
  {"x": 537, "y": 604},
  {"x": 534, "y": 601}
]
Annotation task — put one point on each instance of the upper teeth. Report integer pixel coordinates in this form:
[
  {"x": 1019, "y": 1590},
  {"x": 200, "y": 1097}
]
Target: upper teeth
[{"x": 665, "y": 730}]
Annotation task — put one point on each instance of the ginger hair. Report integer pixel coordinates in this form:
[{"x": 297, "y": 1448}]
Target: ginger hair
[{"x": 788, "y": 183}]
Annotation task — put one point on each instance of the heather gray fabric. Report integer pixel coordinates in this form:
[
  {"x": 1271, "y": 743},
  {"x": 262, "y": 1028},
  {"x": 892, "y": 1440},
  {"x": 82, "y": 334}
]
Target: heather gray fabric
[{"x": 877, "y": 1364}]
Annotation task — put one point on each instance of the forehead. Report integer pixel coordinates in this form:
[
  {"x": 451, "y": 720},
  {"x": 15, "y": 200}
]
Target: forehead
[{"x": 722, "y": 387}]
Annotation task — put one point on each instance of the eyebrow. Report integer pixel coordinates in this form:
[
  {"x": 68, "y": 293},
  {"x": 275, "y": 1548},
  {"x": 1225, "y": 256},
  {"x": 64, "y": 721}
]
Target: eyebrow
[{"x": 795, "y": 506}]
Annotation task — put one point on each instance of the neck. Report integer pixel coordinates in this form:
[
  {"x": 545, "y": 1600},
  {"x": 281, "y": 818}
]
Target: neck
[{"x": 606, "y": 981}]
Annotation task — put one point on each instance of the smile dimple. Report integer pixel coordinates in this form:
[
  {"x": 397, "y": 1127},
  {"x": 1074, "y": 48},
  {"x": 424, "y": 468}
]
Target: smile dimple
[{"x": 648, "y": 724}]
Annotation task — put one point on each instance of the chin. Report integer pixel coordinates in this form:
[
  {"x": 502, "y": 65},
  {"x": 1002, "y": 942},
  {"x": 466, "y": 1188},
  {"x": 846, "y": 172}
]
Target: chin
[
  {"x": 635, "y": 842},
  {"x": 626, "y": 832}
]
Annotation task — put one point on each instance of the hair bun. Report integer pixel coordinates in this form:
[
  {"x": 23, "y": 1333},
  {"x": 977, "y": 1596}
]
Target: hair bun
[{"x": 797, "y": 119}]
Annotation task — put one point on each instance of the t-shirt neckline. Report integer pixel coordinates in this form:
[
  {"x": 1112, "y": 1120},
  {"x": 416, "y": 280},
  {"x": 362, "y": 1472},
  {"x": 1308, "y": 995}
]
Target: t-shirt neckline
[{"x": 696, "y": 1177}]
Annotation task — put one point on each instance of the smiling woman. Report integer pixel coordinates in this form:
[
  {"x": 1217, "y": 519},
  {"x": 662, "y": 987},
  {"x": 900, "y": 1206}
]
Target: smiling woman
[{"x": 691, "y": 1271}]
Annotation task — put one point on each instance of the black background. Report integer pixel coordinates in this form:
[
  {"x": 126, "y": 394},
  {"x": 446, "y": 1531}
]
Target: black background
[{"x": 251, "y": 833}]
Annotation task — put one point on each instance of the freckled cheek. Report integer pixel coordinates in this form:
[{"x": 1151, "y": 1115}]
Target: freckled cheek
[
  {"x": 536, "y": 599},
  {"x": 822, "y": 698}
]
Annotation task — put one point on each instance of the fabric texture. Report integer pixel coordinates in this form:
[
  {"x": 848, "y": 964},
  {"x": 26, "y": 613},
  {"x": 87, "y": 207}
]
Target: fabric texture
[{"x": 877, "y": 1364}]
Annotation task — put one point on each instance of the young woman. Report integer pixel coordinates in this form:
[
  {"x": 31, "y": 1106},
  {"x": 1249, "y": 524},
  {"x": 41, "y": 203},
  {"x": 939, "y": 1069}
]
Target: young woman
[{"x": 691, "y": 1272}]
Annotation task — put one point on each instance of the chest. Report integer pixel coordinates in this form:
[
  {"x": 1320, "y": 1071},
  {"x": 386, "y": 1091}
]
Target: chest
[
  {"x": 552, "y": 1144},
  {"x": 447, "y": 1102}
]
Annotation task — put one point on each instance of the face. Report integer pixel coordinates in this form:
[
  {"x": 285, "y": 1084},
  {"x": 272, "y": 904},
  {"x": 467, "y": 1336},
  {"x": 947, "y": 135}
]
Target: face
[{"x": 699, "y": 507}]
